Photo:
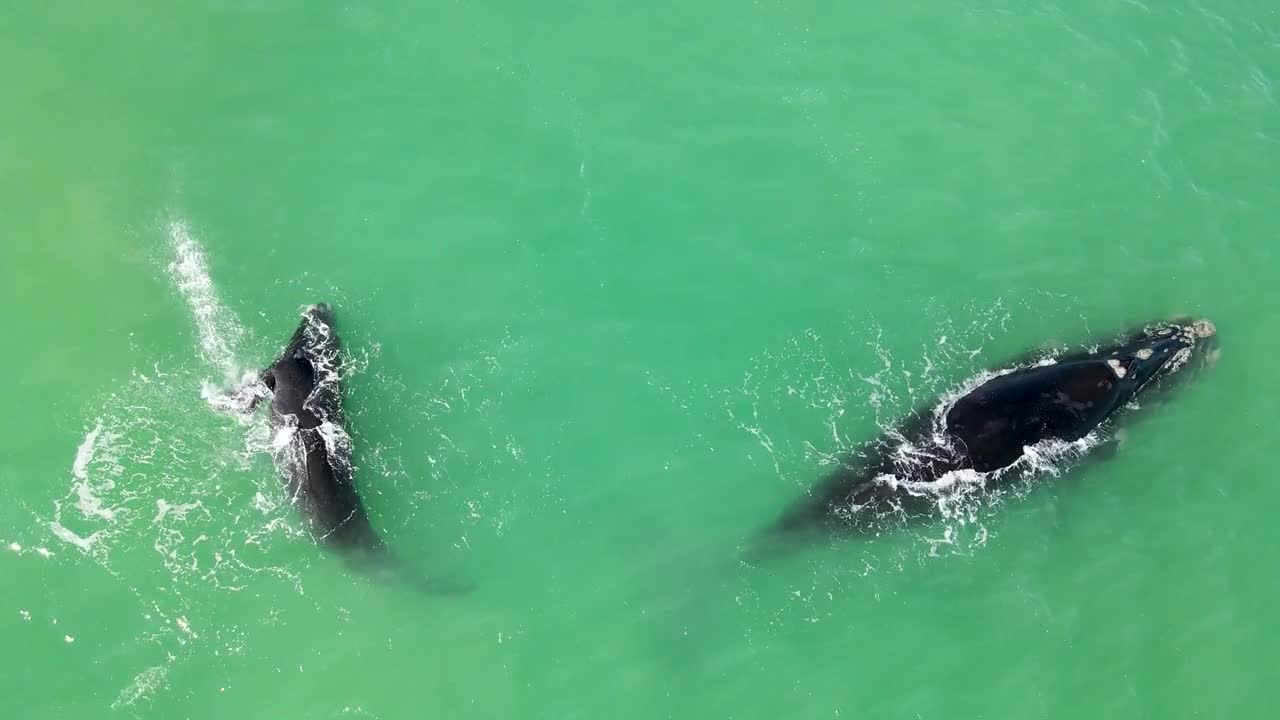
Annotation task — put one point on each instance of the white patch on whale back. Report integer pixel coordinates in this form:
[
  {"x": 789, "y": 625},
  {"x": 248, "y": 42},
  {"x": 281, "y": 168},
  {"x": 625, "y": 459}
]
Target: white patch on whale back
[
  {"x": 1117, "y": 368},
  {"x": 337, "y": 443}
]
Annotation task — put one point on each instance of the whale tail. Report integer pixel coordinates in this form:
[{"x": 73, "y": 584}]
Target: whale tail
[
  {"x": 386, "y": 568},
  {"x": 438, "y": 586},
  {"x": 776, "y": 541}
]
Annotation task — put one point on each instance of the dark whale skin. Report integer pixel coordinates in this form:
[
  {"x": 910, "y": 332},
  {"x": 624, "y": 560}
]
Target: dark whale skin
[
  {"x": 315, "y": 463},
  {"x": 990, "y": 428},
  {"x": 312, "y": 452}
]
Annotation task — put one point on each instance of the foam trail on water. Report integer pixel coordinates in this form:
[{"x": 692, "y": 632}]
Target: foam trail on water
[
  {"x": 220, "y": 332},
  {"x": 84, "y": 453},
  {"x": 61, "y": 532},
  {"x": 96, "y": 446},
  {"x": 143, "y": 686},
  {"x": 86, "y": 487}
]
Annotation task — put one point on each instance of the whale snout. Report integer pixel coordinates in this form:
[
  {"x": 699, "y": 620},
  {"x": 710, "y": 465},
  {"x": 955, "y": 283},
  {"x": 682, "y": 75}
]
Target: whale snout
[
  {"x": 1167, "y": 349},
  {"x": 1207, "y": 348},
  {"x": 320, "y": 311},
  {"x": 1206, "y": 341},
  {"x": 1204, "y": 329}
]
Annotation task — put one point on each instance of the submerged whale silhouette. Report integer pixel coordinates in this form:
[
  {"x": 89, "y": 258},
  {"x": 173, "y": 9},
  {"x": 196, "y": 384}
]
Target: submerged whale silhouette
[
  {"x": 312, "y": 451},
  {"x": 977, "y": 438}
]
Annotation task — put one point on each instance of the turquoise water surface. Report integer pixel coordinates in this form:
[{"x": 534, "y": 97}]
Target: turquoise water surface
[{"x": 618, "y": 282}]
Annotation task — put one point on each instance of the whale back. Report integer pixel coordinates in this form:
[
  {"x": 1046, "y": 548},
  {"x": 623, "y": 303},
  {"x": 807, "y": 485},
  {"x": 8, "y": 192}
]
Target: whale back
[
  {"x": 314, "y": 458},
  {"x": 304, "y": 380},
  {"x": 1063, "y": 401},
  {"x": 906, "y": 472}
]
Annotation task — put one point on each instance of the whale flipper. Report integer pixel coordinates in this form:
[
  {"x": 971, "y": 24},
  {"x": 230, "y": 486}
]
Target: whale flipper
[{"x": 388, "y": 569}]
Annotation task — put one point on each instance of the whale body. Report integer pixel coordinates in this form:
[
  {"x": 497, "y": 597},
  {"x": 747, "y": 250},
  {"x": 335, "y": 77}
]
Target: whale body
[{"x": 977, "y": 438}]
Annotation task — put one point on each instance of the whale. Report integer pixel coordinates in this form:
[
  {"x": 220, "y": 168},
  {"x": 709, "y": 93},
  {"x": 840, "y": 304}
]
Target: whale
[
  {"x": 311, "y": 450},
  {"x": 994, "y": 430}
]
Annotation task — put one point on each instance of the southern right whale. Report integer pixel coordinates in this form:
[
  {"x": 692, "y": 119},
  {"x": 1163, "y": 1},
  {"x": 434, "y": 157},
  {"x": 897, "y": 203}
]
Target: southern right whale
[
  {"x": 312, "y": 450},
  {"x": 901, "y": 475}
]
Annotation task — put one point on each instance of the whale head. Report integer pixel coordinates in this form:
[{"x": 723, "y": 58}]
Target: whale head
[
  {"x": 1163, "y": 354},
  {"x": 321, "y": 312}
]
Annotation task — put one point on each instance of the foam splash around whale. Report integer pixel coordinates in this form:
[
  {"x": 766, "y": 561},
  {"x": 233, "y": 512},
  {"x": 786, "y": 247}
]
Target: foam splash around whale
[
  {"x": 181, "y": 506},
  {"x": 148, "y": 473}
]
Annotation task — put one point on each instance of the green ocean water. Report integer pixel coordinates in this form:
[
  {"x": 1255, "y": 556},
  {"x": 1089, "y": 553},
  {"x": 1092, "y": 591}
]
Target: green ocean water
[{"x": 619, "y": 281}]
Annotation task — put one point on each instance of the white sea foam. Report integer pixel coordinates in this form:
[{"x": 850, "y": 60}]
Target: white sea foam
[
  {"x": 282, "y": 437},
  {"x": 62, "y": 533},
  {"x": 84, "y": 454},
  {"x": 93, "y": 471},
  {"x": 220, "y": 333},
  {"x": 238, "y": 401},
  {"x": 88, "y": 487},
  {"x": 147, "y": 465},
  {"x": 955, "y": 491},
  {"x": 164, "y": 509},
  {"x": 143, "y": 685},
  {"x": 337, "y": 442}
]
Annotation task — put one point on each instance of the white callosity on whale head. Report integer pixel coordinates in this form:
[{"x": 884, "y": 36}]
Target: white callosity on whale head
[
  {"x": 1203, "y": 330},
  {"x": 1117, "y": 368}
]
